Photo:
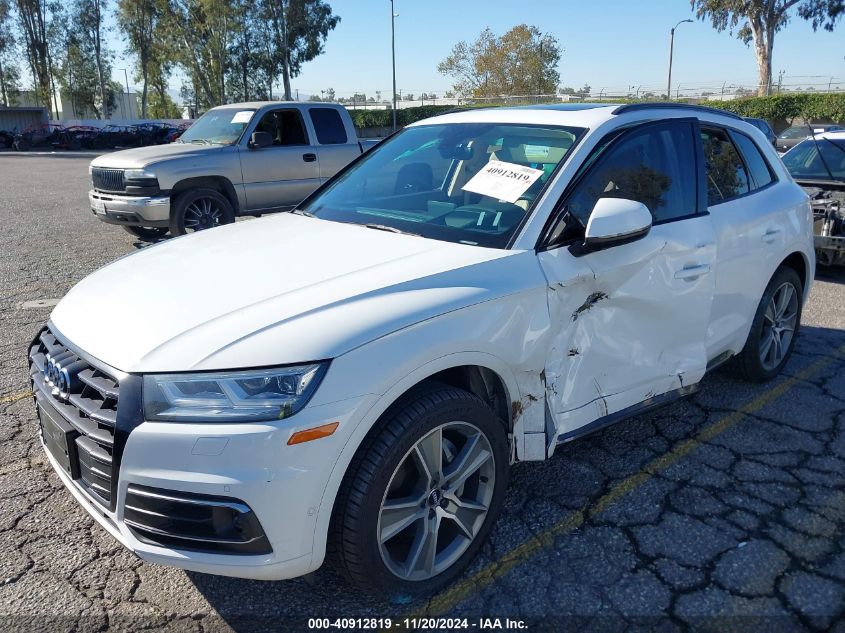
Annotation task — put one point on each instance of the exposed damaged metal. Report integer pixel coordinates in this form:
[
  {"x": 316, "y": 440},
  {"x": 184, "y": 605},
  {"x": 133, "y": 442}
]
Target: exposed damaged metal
[{"x": 592, "y": 300}]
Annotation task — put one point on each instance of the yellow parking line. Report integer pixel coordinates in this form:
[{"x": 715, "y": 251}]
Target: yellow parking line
[
  {"x": 14, "y": 397},
  {"x": 451, "y": 597}
]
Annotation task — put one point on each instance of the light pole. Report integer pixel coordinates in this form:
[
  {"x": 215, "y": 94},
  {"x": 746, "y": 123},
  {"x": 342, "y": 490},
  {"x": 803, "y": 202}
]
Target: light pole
[
  {"x": 393, "y": 15},
  {"x": 671, "y": 47}
]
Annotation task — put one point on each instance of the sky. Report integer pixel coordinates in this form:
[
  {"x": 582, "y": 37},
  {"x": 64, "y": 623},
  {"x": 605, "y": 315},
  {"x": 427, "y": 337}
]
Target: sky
[{"x": 610, "y": 44}]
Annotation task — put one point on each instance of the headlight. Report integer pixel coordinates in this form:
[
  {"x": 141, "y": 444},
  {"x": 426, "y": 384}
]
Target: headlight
[
  {"x": 238, "y": 396},
  {"x": 137, "y": 174}
]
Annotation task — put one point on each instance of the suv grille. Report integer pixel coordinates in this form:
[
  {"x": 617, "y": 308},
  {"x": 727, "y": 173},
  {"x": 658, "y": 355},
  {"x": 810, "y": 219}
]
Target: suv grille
[
  {"x": 82, "y": 400},
  {"x": 108, "y": 179}
]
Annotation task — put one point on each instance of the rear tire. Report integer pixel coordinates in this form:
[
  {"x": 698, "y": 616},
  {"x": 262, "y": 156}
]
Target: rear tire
[
  {"x": 147, "y": 232},
  {"x": 403, "y": 526},
  {"x": 774, "y": 329},
  {"x": 199, "y": 209}
]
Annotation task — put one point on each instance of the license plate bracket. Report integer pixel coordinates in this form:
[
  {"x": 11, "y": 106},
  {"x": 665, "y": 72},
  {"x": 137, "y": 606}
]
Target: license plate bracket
[
  {"x": 98, "y": 206},
  {"x": 60, "y": 439}
]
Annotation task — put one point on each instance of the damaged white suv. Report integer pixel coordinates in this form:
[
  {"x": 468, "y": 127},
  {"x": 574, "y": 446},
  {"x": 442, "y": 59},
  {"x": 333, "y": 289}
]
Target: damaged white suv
[{"x": 358, "y": 375}]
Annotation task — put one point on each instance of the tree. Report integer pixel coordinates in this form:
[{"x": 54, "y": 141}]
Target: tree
[
  {"x": 299, "y": 31},
  {"x": 523, "y": 61},
  {"x": 88, "y": 19},
  {"x": 140, "y": 21},
  {"x": 33, "y": 15},
  {"x": 760, "y": 20},
  {"x": 9, "y": 75}
]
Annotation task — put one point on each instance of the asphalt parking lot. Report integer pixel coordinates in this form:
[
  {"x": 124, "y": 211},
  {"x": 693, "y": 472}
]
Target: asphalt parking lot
[{"x": 725, "y": 511}]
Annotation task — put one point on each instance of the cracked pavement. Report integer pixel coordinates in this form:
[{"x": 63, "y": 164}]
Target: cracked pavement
[{"x": 723, "y": 511}]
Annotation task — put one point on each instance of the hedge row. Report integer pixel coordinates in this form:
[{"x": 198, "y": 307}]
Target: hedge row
[
  {"x": 780, "y": 110},
  {"x": 827, "y": 106}
]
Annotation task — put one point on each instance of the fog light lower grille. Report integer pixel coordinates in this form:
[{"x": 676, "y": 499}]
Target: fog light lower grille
[{"x": 181, "y": 520}]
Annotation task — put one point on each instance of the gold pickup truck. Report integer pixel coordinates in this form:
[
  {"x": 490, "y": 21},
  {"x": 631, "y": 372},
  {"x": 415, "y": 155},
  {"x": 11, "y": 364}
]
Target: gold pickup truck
[{"x": 238, "y": 159}]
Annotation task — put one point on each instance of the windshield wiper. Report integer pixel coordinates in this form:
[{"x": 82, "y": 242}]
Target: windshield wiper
[
  {"x": 200, "y": 141},
  {"x": 307, "y": 214},
  {"x": 389, "y": 229}
]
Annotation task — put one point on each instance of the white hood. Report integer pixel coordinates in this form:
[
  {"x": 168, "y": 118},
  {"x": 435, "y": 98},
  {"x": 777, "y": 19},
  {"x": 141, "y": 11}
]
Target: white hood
[{"x": 283, "y": 289}]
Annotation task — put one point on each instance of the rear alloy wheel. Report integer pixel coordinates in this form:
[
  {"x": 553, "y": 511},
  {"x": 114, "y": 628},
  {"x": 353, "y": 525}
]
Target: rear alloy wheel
[
  {"x": 147, "y": 232},
  {"x": 422, "y": 494},
  {"x": 774, "y": 329},
  {"x": 198, "y": 210}
]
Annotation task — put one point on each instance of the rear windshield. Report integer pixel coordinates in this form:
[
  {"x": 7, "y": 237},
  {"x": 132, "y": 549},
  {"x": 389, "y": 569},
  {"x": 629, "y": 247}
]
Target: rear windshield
[
  {"x": 471, "y": 183},
  {"x": 822, "y": 159}
]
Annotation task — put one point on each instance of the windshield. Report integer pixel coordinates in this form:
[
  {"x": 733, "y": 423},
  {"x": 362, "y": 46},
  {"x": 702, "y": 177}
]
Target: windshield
[
  {"x": 799, "y": 131},
  {"x": 471, "y": 183},
  {"x": 820, "y": 160},
  {"x": 220, "y": 126}
]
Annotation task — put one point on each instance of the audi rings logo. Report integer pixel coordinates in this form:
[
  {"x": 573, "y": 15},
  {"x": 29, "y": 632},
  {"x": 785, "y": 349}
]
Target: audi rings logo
[{"x": 57, "y": 378}]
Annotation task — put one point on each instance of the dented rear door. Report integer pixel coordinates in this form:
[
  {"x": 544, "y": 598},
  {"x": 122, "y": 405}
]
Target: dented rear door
[{"x": 630, "y": 321}]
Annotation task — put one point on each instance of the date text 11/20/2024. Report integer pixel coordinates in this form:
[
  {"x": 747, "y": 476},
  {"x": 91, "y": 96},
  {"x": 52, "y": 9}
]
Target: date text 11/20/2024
[{"x": 418, "y": 624}]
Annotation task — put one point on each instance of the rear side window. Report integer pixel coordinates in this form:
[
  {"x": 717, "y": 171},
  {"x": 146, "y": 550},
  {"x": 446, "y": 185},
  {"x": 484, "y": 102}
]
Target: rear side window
[
  {"x": 726, "y": 175},
  {"x": 654, "y": 165},
  {"x": 329, "y": 126},
  {"x": 758, "y": 168}
]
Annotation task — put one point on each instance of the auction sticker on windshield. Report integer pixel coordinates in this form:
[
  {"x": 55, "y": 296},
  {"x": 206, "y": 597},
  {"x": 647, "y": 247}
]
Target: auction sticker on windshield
[
  {"x": 242, "y": 117},
  {"x": 503, "y": 181}
]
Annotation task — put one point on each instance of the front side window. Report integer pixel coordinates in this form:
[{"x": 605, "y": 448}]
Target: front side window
[
  {"x": 220, "y": 126},
  {"x": 820, "y": 159},
  {"x": 328, "y": 125},
  {"x": 284, "y": 126},
  {"x": 726, "y": 175},
  {"x": 654, "y": 166},
  {"x": 470, "y": 183}
]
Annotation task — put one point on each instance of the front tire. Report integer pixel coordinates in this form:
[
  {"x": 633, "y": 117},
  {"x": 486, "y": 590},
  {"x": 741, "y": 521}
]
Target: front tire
[
  {"x": 147, "y": 233},
  {"x": 421, "y": 495},
  {"x": 774, "y": 329},
  {"x": 199, "y": 209}
]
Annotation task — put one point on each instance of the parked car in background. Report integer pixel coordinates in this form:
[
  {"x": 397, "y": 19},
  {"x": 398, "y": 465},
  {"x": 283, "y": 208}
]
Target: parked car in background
[
  {"x": 790, "y": 137},
  {"x": 238, "y": 159},
  {"x": 764, "y": 127},
  {"x": 818, "y": 165},
  {"x": 358, "y": 375}
]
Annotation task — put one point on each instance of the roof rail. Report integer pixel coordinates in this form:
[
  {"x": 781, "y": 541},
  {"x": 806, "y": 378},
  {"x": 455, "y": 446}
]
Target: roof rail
[{"x": 666, "y": 105}]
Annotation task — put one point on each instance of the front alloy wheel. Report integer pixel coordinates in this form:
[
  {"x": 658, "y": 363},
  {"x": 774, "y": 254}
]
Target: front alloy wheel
[
  {"x": 422, "y": 493},
  {"x": 198, "y": 210},
  {"x": 436, "y": 501}
]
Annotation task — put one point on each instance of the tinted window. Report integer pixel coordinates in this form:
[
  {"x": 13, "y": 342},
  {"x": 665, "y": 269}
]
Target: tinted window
[
  {"x": 804, "y": 162},
  {"x": 757, "y": 166},
  {"x": 726, "y": 176},
  {"x": 285, "y": 126},
  {"x": 655, "y": 166},
  {"x": 328, "y": 125}
]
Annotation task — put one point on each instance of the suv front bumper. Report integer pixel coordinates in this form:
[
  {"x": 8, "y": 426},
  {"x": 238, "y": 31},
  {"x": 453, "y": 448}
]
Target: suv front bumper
[{"x": 151, "y": 211}]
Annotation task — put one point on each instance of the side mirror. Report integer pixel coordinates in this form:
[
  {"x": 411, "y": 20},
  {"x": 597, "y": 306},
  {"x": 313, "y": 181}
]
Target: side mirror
[
  {"x": 616, "y": 221},
  {"x": 260, "y": 139}
]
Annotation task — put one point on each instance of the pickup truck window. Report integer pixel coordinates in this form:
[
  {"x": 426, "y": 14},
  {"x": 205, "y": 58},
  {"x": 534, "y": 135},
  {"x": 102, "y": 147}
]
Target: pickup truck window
[
  {"x": 328, "y": 125},
  {"x": 470, "y": 183},
  {"x": 285, "y": 126},
  {"x": 220, "y": 126}
]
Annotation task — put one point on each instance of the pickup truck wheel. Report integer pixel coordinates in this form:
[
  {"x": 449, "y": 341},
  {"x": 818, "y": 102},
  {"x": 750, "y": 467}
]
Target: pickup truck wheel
[
  {"x": 421, "y": 496},
  {"x": 147, "y": 232},
  {"x": 199, "y": 209},
  {"x": 774, "y": 329}
]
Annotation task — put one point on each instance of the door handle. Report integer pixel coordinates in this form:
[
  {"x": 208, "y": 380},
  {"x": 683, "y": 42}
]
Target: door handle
[
  {"x": 692, "y": 272},
  {"x": 770, "y": 235},
  {"x": 309, "y": 158}
]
